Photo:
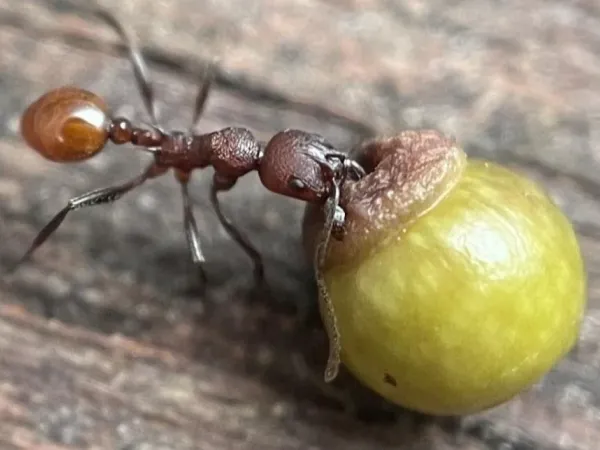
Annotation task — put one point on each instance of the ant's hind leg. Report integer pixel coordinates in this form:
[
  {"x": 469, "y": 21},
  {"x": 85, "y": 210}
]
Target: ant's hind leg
[
  {"x": 92, "y": 198},
  {"x": 204, "y": 85},
  {"x": 224, "y": 184},
  {"x": 137, "y": 61}
]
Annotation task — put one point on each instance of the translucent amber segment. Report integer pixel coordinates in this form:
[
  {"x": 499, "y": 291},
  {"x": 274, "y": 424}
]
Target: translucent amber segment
[{"x": 66, "y": 124}]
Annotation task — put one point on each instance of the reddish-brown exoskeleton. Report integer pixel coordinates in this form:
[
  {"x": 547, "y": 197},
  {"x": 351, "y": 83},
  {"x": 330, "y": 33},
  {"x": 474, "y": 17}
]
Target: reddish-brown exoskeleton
[{"x": 71, "y": 124}]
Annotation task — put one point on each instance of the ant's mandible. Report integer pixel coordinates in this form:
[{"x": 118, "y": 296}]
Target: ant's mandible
[{"x": 71, "y": 124}]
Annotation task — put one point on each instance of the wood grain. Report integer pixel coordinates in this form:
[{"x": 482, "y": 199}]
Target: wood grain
[{"x": 105, "y": 341}]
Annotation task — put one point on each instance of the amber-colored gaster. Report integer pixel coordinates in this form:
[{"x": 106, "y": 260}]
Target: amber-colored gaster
[{"x": 67, "y": 124}]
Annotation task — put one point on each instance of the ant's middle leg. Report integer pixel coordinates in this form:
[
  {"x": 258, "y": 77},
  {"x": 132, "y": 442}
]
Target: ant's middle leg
[
  {"x": 224, "y": 184},
  {"x": 190, "y": 227}
]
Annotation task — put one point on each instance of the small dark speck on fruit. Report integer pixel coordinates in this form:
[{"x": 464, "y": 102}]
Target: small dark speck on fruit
[{"x": 387, "y": 378}]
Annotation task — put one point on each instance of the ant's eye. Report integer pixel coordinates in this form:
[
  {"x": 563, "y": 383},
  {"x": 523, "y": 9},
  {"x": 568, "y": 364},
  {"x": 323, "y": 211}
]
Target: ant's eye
[{"x": 296, "y": 184}]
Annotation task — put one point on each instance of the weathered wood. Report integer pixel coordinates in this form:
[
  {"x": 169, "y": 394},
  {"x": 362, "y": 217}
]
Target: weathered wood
[{"x": 223, "y": 370}]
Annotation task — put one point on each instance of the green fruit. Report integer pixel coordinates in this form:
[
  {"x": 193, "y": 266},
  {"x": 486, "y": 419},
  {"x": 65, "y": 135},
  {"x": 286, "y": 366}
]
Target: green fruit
[{"x": 458, "y": 283}]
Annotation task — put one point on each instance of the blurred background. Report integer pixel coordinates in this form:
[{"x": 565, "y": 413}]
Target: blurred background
[{"x": 105, "y": 339}]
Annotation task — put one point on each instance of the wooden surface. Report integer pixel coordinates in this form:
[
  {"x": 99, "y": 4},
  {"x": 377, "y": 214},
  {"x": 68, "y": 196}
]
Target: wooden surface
[{"x": 105, "y": 342}]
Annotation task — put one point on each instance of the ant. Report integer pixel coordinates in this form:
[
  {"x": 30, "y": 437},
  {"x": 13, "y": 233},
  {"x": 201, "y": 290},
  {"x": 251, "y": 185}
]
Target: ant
[{"x": 70, "y": 124}]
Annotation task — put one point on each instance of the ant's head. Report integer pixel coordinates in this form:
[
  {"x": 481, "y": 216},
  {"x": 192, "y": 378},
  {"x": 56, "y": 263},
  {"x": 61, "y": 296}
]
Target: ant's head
[
  {"x": 67, "y": 124},
  {"x": 303, "y": 165}
]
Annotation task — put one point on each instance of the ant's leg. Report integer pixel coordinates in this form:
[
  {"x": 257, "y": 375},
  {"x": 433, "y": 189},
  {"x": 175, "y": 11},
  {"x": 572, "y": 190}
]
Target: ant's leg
[
  {"x": 204, "y": 86},
  {"x": 97, "y": 197},
  {"x": 137, "y": 61},
  {"x": 191, "y": 229},
  {"x": 224, "y": 184}
]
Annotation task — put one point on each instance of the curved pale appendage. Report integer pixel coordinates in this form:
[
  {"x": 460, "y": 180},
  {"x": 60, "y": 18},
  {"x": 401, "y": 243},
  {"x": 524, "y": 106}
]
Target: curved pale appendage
[{"x": 329, "y": 318}]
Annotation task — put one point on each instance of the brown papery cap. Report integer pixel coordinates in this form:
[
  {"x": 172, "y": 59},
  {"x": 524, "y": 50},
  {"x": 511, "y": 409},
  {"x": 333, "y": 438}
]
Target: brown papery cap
[{"x": 407, "y": 175}]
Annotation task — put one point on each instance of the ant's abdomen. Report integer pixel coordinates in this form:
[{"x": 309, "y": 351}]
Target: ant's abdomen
[{"x": 66, "y": 125}]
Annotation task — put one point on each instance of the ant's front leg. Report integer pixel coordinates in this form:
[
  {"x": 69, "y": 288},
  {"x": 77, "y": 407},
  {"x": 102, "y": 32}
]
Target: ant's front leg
[{"x": 221, "y": 183}]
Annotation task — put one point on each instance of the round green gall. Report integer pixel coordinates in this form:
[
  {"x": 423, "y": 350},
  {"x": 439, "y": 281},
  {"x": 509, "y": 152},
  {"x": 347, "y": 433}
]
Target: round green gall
[{"x": 455, "y": 283}]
